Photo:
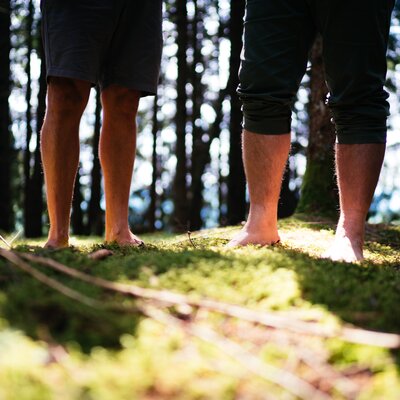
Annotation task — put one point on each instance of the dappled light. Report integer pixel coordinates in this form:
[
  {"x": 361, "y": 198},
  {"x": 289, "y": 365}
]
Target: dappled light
[{"x": 287, "y": 280}]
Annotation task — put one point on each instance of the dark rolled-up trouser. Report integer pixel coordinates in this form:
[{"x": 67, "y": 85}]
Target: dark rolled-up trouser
[{"x": 278, "y": 35}]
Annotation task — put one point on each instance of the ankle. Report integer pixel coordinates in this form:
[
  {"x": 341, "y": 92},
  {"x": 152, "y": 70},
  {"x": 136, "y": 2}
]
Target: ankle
[
  {"x": 59, "y": 235},
  {"x": 352, "y": 219},
  {"x": 352, "y": 226},
  {"x": 263, "y": 217},
  {"x": 115, "y": 232},
  {"x": 57, "y": 242}
]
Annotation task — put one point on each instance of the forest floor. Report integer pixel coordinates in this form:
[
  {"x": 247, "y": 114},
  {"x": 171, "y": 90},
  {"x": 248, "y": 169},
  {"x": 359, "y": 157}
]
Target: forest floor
[{"x": 108, "y": 345}]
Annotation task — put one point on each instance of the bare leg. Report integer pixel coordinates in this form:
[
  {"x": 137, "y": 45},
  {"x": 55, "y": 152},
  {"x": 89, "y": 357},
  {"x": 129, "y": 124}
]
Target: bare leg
[
  {"x": 67, "y": 100},
  {"x": 358, "y": 169},
  {"x": 264, "y": 158},
  {"x": 117, "y": 155}
]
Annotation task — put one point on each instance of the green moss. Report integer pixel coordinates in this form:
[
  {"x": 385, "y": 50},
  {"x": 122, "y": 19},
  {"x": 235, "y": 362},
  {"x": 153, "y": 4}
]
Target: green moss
[{"x": 123, "y": 356}]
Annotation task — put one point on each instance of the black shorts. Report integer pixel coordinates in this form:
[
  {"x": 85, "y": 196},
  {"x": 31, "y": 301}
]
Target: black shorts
[{"x": 104, "y": 42}]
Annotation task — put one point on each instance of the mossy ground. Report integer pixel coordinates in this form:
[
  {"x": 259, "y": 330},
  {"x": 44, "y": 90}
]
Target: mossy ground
[{"x": 52, "y": 347}]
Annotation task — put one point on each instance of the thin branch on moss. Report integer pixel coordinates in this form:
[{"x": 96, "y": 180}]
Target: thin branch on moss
[
  {"x": 190, "y": 239},
  {"x": 284, "y": 379},
  {"x": 269, "y": 319},
  {"x": 16, "y": 236},
  {"x": 59, "y": 287},
  {"x": 5, "y": 242},
  {"x": 280, "y": 377},
  {"x": 63, "y": 289}
]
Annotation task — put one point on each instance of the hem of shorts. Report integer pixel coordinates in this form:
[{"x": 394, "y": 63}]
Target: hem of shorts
[
  {"x": 362, "y": 138},
  {"x": 267, "y": 127},
  {"x": 66, "y": 73},
  {"x": 144, "y": 89}
]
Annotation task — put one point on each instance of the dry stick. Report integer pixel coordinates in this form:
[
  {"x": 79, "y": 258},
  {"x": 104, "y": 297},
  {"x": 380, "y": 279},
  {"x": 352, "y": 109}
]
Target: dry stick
[
  {"x": 339, "y": 381},
  {"x": 280, "y": 377},
  {"x": 190, "y": 239},
  {"x": 21, "y": 264},
  {"x": 313, "y": 359},
  {"x": 352, "y": 335},
  {"x": 17, "y": 235},
  {"x": 59, "y": 287},
  {"x": 283, "y": 378},
  {"x": 5, "y": 241}
]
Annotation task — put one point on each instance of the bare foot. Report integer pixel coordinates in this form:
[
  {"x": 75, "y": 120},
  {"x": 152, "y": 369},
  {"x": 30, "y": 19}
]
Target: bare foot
[
  {"x": 124, "y": 239},
  {"x": 53, "y": 243},
  {"x": 248, "y": 235},
  {"x": 347, "y": 246}
]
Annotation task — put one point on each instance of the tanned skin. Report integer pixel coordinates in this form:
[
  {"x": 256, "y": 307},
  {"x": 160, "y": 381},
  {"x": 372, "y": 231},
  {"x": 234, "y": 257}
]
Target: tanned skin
[
  {"x": 67, "y": 99},
  {"x": 358, "y": 168},
  {"x": 264, "y": 158}
]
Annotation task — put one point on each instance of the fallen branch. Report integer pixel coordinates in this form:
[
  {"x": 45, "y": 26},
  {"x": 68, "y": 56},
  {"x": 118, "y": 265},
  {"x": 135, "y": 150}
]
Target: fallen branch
[
  {"x": 273, "y": 320},
  {"x": 5, "y": 242},
  {"x": 280, "y": 377},
  {"x": 59, "y": 287},
  {"x": 16, "y": 236},
  {"x": 298, "y": 345}
]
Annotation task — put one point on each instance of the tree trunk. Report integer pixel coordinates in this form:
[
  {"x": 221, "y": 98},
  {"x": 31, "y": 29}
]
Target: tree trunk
[
  {"x": 236, "y": 179},
  {"x": 36, "y": 179},
  {"x": 153, "y": 187},
  {"x": 28, "y": 228},
  {"x": 288, "y": 198},
  {"x": 180, "y": 215},
  {"x": 6, "y": 142},
  {"x": 199, "y": 145},
  {"x": 319, "y": 193},
  {"x": 95, "y": 213},
  {"x": 77, "y": 224}
]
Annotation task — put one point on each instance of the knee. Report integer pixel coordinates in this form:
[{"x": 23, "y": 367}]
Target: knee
[
  {"x": 67, "y": 96},
  {"x": 120, "y": 101}
]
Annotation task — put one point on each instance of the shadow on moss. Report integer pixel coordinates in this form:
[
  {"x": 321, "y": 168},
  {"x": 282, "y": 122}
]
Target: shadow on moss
[{"x": 366, "y": 295}]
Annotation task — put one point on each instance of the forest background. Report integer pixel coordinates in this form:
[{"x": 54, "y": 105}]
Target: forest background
[{"x": 188, "y": 172}]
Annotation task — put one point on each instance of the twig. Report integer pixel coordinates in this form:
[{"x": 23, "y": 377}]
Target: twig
[
  {"x": 190, "y": 239},
  {"x": 315, "y": 359},
  {"x": 206, "y": 234},
  {"x": 280, "y": 377},
  {"x": 339, "y": 381},
  {"x": 284, "y": 379},
  {"x": 59, "y": 287},
  {"x": 16, "y": 236},
  {"x": 352, "y": 335},
  {"x": 5, "y": 241}
]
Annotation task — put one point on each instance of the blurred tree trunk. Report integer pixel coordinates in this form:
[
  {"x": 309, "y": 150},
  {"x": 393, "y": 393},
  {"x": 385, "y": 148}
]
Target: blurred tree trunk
[
  {"x": 78, "y": 227},
  {"x": 6, "y": 142},
  {"x": 95, "y": 213},
  {"x": 153, "y": 187},
  {"x": 236, "y": 180},
  {"x": 202, "y": 143},
  {"x": 199, "y": 141},
  {"x": 222, "y": 191},
  {"x": 28, "y": 189},
  {"x": 288, "y": 198},
  {"x": 35, "y": 221},
  {"x": 180, "y": 214},
  {"x": 319, "y": 193}
]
